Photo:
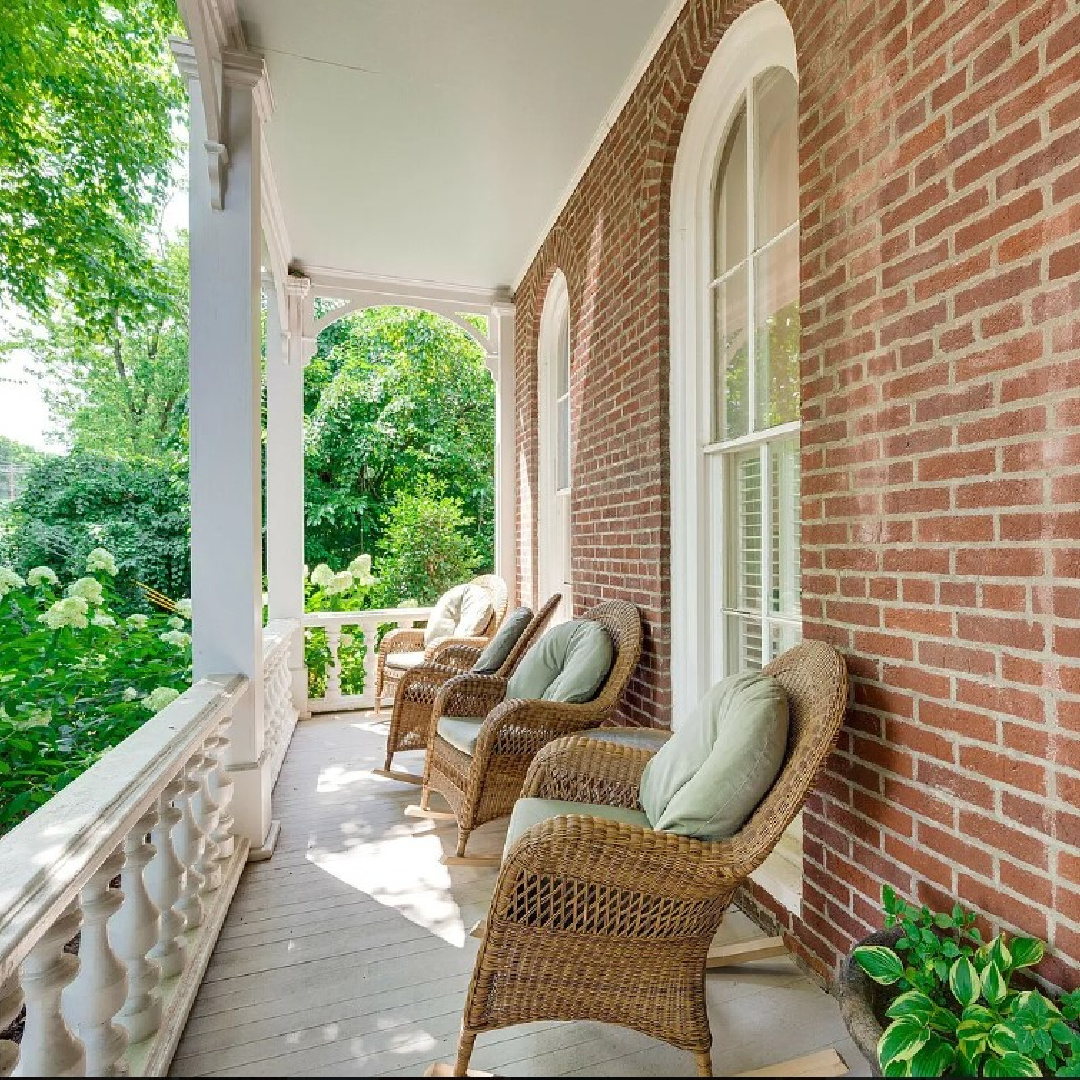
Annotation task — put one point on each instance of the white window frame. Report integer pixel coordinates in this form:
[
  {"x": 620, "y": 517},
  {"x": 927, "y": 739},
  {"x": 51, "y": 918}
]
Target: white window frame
[
  {"x": 759, "y": 39},
  {"x": 554, "y": 504}
]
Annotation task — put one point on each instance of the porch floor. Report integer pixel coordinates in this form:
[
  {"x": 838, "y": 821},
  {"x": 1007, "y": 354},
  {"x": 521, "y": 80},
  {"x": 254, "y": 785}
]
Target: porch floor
[{"x": 347, "y": 954}]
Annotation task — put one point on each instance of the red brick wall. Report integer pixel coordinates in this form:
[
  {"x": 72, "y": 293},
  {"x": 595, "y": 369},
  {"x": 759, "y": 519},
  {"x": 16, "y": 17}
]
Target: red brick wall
[{"x": 940, "y": 178}]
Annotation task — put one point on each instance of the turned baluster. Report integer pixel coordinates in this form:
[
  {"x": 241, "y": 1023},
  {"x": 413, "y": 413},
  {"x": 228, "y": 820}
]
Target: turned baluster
[
  {"x": 11, "y": 999},
  {"x": 206, "y": 814},
  {"x": 48, "y": 1047},
  {"x": 164, "y": 879},
  {"x": 101, "y": 988},
  {"x": 135, "y": 930},
  {"x": 188, "y": 840},
  {"x": 223, "y": 792},
  {"x": 371, "y": 657},
  {"x": 333, "y": 669}
]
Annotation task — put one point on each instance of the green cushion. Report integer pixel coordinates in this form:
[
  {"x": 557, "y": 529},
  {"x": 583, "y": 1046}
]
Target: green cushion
[
  {"x": 499, "y": 647},
  {"x": 569, "y": 663},
  {"x": 715, "y": 769},
  {"x": 530, "y": 812},
  {"x": 640, "y": 738},
  {"x": 461, "y": 732}
]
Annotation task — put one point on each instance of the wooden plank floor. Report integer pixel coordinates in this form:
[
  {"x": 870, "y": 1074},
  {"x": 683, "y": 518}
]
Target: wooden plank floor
[{"x": 348, "y": 954}]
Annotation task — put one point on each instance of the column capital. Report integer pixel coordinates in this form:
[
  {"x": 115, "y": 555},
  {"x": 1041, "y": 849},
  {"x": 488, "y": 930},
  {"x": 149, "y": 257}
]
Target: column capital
[{"x": 297, "y": 285}]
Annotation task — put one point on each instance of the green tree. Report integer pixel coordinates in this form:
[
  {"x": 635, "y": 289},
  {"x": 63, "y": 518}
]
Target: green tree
[
  {"x": 80, "y": 501},
  {"x": 426, "y": 548},
  {"x": 120, "y": 389},
  {"x": 88, "y": 104},
  {"x": 395, "y": 395}
]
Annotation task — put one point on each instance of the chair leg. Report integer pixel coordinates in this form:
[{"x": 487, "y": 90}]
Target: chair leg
[
  {"x": 464, "y": 1053},
  {"x": 389, "y": 757},
  {"x": 425, "y": 798},
  {"x": 704, "y": 1063},
  {"x": 462, "y": 840}
]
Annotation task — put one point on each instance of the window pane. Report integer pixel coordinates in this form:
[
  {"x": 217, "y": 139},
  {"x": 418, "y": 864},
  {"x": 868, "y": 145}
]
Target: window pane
[
  {"x": 776, "y": 171},
  {"x": 743, "y": 643},
  {"x": 731, "y": 204},
  {"x": 731, "y": 370},
  {"x": 562, "y": 360},
  {"x": 562, "y": 473},
  {"x": 784, "y": 495},
  {"x": 776, "y": 325},
  {"x": 783, "y": 636},
  {"x": 745, "y": 590}
]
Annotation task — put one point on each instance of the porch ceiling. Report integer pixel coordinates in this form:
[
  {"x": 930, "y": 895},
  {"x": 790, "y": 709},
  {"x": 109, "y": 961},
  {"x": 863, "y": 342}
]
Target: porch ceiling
[{"x": 428, "y": 140}]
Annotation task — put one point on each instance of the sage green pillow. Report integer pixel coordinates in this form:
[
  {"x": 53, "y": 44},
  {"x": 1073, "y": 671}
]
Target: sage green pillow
[
  {"x": 709, "y": 777},
  {"x": 499, "y": 647},
  {"x": 569, "y": 663}
]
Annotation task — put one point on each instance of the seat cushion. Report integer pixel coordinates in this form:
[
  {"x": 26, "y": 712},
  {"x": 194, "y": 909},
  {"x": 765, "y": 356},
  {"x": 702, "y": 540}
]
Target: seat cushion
[
  {"x": 710, "y": 775},
  {"x": 640, "y": 738},
  {"x": 569, "y": 663},
  {"x": 500, "y": 646},
  {"x": 403, "y": 661},
  {"x": 530, "y": 812},
  {"x": 463, "y": 611},
  {"x": 461, "y": 732}
]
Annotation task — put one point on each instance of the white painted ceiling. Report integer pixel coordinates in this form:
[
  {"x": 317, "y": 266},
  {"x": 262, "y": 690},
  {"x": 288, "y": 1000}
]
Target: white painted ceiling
[{"x": 434, "y": 139}]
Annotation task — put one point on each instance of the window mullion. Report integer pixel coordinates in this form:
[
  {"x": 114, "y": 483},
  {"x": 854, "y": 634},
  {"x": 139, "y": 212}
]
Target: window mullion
[
  {"x": 751, "y": 244},
  {"x": 766, "y": 551}
]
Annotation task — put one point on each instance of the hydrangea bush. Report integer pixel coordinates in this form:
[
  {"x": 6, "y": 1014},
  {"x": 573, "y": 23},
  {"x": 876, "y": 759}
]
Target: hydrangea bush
[{"x": 76, "y": 676}]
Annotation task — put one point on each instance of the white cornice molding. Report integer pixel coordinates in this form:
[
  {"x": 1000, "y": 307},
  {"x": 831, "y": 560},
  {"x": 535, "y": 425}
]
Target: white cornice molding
[
  {"x": 349, "y": 285},
  {"x": 641, "y": 65}
]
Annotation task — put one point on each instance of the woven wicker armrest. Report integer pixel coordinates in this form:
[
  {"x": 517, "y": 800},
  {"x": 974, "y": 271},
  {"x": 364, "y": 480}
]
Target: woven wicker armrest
[
  {"x": 423, "y": 683},
  {"x": 578, "y": 768},
  {"x": 469, "y": 695},
  {"x": 404, "y": 639},
  {"x": 582, "y": 852},
  {"x": 460, "y": 653},
  {"x": 524, "y": 727}
]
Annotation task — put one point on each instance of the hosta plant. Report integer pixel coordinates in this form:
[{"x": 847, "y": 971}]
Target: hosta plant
[
  {"x": 77, "y": 676},
  {"x": 955, "y": 1011}
]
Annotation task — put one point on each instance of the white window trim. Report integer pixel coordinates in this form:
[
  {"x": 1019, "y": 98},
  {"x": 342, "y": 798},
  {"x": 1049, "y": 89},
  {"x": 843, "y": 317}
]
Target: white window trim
[
  {"x": 551, "y": 577},
  {"x": 758, "y": 39}
]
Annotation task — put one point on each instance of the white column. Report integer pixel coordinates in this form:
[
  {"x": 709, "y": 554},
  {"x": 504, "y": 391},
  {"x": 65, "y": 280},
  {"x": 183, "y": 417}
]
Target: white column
[
  {"x": 501, "y": 366},
  {"x": 226, "y": 420},
  {"x": 286, "y": 346}
]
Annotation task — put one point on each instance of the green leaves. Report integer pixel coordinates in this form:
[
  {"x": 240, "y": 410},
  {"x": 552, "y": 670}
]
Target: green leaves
[
  {"x": 964, "y": 981},
  {"x": 880, "y": 963},
  {"x": 902, "y": 1040},
  {"x": 1026, "y": 952},
  {"x": 1010, "y": 1065}
]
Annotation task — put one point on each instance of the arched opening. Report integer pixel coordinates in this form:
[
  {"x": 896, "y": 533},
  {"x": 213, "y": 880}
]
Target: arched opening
[
  {"x": 555, "y": 448},
  {"x": 735, "y": 413}
]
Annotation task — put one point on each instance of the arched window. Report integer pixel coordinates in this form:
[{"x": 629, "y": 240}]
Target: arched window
[
  {"x": 555, "y": 448},
  {"x": 735, "y": 379}
]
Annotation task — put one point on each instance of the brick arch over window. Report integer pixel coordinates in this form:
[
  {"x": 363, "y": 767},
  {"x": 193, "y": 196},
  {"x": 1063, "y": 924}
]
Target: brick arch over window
[{"x": 938, "y": 507}]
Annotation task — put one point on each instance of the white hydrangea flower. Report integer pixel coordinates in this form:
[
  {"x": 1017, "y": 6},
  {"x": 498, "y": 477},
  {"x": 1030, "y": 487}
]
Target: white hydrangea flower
[
  {"x": 361, "y": 569},
  {"x": 137, "y": 621},
  {"x": 157, "y": 699},
  {"x": 322, "y": 575},
  {"x": 88, "y": 588},
  {"x": 100, "y": 559},
  {"x": 183, "y": 608},
  {"x": 130, "y": 694},
  {"x": 177, "y": 623},
  {"x": 42, "y": 575},
  {"x": 102, "y": 619},
  {"x": 9, "y": 580},
  {"x": 340, "y": 583},
  {"x": 70, "y": 611},
  {"x": 175, "y": 637}
]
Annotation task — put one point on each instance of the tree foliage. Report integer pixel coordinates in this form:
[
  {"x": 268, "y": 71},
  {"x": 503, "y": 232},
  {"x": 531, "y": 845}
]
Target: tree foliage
[
  {"x": 88, "y": 102},
  {"x": 120, "y": 389},
  {"x": 74, "y": 503},
  {"x": 395, "y": 396}
]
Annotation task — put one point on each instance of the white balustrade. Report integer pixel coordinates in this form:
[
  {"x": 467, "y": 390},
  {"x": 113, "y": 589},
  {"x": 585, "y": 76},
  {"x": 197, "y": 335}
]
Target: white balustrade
[
  {"x": 156, "y": 811},
  {"x": 101, "y": 987},
  {"x": 337, "y": 623},
  {"x": 279, "y": 709}
]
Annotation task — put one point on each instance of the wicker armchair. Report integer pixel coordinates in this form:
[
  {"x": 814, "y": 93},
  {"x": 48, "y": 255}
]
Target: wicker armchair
[
  {"x": 405, "y": 640},
  {"x": 599, "y": 920},
  {"x": 410, "y": 721},
  {"x": 484, "y": 786}
]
